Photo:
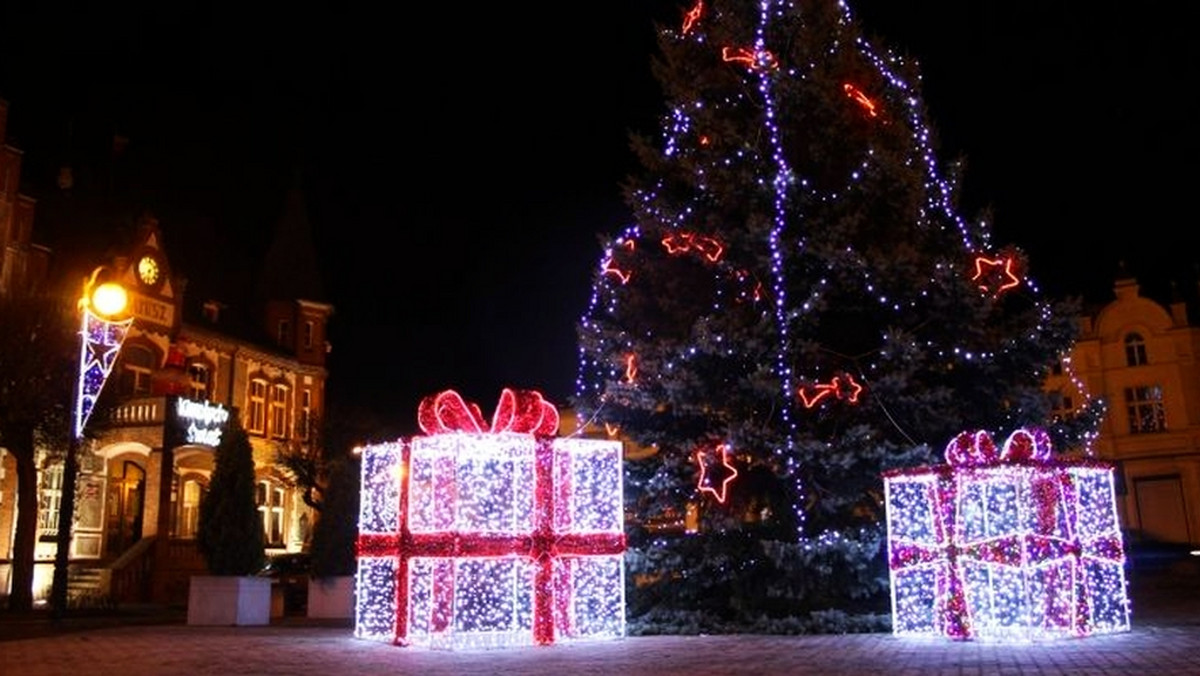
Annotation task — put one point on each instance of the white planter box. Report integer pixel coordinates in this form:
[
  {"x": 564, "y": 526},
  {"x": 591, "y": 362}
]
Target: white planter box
[
  {"x": 229, "y": 600},
  {"x": 331, "y": 597}
]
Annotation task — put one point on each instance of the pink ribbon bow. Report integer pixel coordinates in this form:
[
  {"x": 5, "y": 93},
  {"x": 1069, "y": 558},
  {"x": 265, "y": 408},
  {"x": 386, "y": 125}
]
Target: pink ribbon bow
[
  {"x": 524, "y": 411},
  {"x": 977, "y": 448}
]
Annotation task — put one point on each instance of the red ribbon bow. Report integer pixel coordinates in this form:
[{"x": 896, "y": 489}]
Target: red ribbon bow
[
  {"x": 524, "y": 411},
  {"x": 977, "y": 448}
]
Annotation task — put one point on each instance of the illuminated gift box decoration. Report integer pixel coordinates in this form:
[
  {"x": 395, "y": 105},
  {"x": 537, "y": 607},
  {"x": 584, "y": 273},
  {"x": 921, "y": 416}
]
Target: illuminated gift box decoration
[
  {"x": 489, "y": 536},
  {"x": 1008, "y": 545}
]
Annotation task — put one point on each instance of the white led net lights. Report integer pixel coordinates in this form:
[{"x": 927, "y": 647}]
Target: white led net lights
[
  {"x": 492, "y": 539},
  {"x": 1006, "y": 547}
]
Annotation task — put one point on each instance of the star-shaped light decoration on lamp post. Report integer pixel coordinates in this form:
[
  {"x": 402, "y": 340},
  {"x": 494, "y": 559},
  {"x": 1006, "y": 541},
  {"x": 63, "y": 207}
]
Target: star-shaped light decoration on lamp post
[
  {"x": 103, "y": 326},
  {"x": 706, "y": 483}
]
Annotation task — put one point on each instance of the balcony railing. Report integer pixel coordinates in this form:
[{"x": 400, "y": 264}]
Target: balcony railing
[{"x": 140, "y": 411}]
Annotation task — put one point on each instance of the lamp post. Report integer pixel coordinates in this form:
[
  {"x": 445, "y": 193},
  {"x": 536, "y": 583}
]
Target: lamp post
[{"x": 102, "y": 331}]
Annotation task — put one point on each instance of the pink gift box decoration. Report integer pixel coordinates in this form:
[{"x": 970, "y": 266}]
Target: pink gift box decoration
[
  {"x": 478, "y": 535},
  {"x": 1005, "y": 544}
]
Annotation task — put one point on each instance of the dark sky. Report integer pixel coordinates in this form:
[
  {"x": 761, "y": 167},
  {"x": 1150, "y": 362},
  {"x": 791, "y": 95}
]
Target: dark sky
[{"x": 460, "y": 161}]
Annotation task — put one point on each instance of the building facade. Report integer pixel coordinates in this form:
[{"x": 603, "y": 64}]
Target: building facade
[
  {"x": 20, "y": 258},
  {"x": 1141, "y": 358},
  {"x": 145, "y": 465},
  {"x": 147, "y": 455}
]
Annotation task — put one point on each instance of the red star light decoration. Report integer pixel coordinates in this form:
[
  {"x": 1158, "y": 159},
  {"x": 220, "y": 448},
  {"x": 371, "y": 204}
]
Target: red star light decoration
[
  {"x": 995, "y": 275},
  {"x": 706, "y": 484},
  {"x": 609, "y": 266}
]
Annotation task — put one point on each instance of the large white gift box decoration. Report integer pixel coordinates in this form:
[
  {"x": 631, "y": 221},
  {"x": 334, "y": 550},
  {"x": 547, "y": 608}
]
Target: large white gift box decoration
[
  {"x": 490, "y": 536},
  {"x": 1008, "y": 545}
]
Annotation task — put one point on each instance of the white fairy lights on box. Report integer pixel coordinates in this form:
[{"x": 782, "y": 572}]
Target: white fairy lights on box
[
  {"x": 480, "y": 536},
  {"x": 1009, "y": 545}
]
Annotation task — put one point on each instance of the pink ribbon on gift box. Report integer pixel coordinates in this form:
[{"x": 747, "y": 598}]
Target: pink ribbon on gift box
[
  {"x": 977, "y": 448},
  {"x": 523, "y": 411}
]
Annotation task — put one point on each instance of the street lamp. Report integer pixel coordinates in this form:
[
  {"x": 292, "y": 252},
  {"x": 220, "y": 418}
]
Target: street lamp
[{"x": 102, "y": 330}]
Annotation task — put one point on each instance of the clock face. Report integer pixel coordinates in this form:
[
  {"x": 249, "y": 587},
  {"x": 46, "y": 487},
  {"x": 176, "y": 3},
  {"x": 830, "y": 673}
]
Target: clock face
[{"x": 147, "y": 270}]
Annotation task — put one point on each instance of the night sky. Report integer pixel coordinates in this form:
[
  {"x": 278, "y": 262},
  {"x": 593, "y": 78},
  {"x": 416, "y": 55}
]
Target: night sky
[{"x": 460, "y": 162}]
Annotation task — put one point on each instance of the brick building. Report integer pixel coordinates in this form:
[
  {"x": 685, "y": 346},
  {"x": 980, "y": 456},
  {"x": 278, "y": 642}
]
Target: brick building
[{"x": 145, "y": 466}]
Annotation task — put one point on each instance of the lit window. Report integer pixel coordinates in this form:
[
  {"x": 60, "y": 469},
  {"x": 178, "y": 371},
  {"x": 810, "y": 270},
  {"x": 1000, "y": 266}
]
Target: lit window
[
  {"x": 1060, "y": 404},
  {"x": 279, "y": 397},
  {"x": 1135, "y": 350},
  {"x": 270, "y": 506},
  {"x": 200, "y": 381},
  {"x": 188, "y": 515},
  {"x": 1145, "y": 409},
  {"x": 257, "y": 422},
  {"x": 49, "y": 498}
]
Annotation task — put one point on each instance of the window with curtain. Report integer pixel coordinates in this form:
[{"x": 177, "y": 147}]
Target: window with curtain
[
  {"x": 1135, "y": 350},
  {"x": 256, "y": 421},
  {"x": 270, "y": 506},
  {"x": 279, "y": 398},
  {"x": 1144, "y": 406}
]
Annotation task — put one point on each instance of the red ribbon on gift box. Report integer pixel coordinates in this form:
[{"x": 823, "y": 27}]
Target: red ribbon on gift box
[
  {"x": 444, "y": 413},
  {"x": 524, "y": 411}
]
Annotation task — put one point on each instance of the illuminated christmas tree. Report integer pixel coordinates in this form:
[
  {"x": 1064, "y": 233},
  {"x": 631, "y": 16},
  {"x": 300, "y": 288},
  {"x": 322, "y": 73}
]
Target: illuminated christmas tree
[{"x": 797, "y": 307}]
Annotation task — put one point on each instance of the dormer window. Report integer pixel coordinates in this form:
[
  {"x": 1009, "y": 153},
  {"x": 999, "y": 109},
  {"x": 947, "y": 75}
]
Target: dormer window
[
  {"x": 212, "y": 311},
  {"x": 284, "y": 336},
  {"x": 1135, "y": 349}
]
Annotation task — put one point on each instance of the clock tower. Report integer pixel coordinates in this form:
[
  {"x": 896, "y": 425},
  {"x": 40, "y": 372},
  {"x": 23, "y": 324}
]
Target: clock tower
[{"x": 147, "y": 277}]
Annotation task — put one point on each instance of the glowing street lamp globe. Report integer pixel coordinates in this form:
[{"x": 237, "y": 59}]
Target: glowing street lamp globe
[{"x": 109, "y": 299}]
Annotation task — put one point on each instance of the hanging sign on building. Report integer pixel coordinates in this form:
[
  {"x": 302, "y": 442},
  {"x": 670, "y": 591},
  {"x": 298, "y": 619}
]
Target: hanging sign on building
[{"x": 197, "y": 422}]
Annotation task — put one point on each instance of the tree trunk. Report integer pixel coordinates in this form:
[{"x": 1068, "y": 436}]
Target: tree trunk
[{"x": 21, "y": 596}]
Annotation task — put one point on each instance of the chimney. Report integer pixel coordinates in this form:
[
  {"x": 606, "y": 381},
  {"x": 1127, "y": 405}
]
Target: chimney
[{"x": 212, "y": 311}]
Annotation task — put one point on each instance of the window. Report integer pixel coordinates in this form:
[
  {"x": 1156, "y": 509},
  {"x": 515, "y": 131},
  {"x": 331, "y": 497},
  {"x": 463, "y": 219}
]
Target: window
[
  {"x": 279, "y": 397},
  {"x": 257, "y": 422},
  {"x": 305, "y": 416},
  {"x": 199, "y": 385},
  {"x": 1145, "y": 408},
  {"x": 49, "y": 498},
  {"x": 308, "y": 335},
  {"x": 285, "y": 332},
  {"x": 137, "y": 365},
  {"x": 188, "y": 514},
  {"x": 270, "y": 506},
  {"x": 1135, "y": 350},
  {"x": 1060, "y": 404}
]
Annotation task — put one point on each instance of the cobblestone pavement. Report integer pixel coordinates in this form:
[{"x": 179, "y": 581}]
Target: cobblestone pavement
[
  {"x": 180, "y": 649},
  {"x": 1164, "y": 640}
]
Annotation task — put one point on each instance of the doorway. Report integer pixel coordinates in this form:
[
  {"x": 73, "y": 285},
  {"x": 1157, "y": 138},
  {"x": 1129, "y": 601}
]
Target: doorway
[
  {"x": 123, "y": 508},
  {"x": 1161, "y": 510}
]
